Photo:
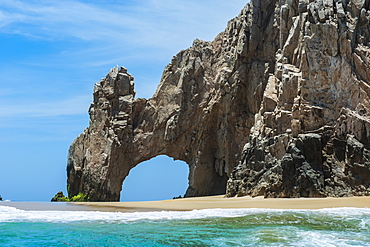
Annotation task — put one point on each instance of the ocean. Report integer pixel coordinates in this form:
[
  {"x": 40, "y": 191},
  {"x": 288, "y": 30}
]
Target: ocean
[{"x": 208, "y": 227}]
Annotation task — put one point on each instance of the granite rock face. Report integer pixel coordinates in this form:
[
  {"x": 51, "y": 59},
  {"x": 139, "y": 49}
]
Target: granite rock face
[
  {"x": 277, "y": 105},
  {"x": 311, "y": 134}
]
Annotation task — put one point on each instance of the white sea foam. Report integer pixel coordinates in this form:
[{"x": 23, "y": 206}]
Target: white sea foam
[
  {"x": 11, "y": 214},
  {"x": 320, "y": 239},
  {"x": 343, "y": 211}
]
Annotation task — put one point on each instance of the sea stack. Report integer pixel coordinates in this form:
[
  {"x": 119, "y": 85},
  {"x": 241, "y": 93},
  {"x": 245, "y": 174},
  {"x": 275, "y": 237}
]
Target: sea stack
[{"x": 277, "y": 105}]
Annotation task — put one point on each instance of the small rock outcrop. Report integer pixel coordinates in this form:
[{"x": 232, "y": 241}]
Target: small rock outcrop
[
  {"x": 277, "y": 105},
  {"x": 59, "y": 197}
]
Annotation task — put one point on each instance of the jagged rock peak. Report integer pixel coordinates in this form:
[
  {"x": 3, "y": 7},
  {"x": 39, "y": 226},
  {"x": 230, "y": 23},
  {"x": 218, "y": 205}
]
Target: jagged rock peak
[{"x": 277, "y": 105}]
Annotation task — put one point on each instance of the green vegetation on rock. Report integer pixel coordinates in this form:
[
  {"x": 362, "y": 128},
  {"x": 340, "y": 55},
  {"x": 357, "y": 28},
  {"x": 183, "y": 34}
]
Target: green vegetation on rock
[
  {"x": 79, "y": 198},
  {"x": 59, "y": 197}
]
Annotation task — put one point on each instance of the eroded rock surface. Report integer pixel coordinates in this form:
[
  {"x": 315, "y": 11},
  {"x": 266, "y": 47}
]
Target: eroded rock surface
[
  {"x": 311, "y": 135},
  {"x": 277, "y": 105}
]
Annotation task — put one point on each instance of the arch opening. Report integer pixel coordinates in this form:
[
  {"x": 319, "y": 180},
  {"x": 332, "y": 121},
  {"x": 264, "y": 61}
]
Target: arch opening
[{"x": 159, "y": 178}]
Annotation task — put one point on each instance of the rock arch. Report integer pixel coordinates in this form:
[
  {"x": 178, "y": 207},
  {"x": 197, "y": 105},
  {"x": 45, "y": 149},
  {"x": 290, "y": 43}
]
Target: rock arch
[
  {"x": 201, "y": 113},
  {"x": 284, "y": 91},
  {"x": 124, "y": 132}
]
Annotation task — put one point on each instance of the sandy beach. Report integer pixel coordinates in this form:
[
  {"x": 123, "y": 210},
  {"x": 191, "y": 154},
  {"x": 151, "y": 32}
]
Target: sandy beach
[{"x": 186, "y": 204}]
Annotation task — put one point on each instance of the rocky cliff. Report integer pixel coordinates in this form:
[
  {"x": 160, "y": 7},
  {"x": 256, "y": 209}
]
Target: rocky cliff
[{"x": 277, "y": 105}]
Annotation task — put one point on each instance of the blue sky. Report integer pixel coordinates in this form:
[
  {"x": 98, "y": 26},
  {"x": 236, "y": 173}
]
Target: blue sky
[{"x": 52, "y": 53}]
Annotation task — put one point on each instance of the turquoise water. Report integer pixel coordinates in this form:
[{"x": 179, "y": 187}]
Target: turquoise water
[{"x": 211, "y": 227}]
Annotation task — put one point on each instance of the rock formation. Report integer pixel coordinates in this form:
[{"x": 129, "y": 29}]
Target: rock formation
[
  {"x": 59, "y": 197},
  {"x": 277, "y": 105},
  {"x": 311, "y": 134}
]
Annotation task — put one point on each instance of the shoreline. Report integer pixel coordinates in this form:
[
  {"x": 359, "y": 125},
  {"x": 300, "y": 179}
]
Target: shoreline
[
  {"x": 212, "y": 202},
  {"x": 196, "y": 203}
]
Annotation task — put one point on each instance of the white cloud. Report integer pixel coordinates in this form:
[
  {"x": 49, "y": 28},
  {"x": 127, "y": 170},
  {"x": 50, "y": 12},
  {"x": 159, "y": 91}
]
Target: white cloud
[
  {"x": 6, "y": 92},
  {"x": 50, "y": 108},
  {"x": 145, "y": 23},
  {"x": 62, "y": 19},
  {"x": 128, "y": 33}
]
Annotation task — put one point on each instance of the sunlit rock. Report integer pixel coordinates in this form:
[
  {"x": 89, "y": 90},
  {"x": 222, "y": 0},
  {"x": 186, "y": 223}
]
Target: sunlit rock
[{"x": 277, "y": 105}]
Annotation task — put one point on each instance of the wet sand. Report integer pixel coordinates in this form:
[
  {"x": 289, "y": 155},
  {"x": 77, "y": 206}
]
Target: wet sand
[
  {"x": 187, "y": 204},
  {"x": 47, "y": 206}
]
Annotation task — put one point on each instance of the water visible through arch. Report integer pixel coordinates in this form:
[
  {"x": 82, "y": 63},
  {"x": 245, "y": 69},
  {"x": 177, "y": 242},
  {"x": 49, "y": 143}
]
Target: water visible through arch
[{"x": 159, "y": 178}]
